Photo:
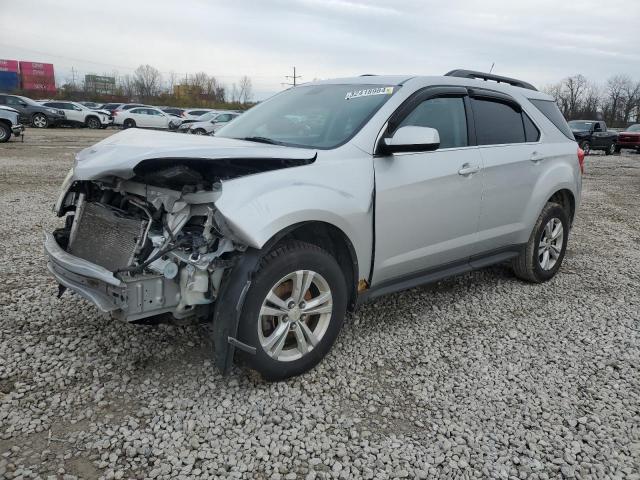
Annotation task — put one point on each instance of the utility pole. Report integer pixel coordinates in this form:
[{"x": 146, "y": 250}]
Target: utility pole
[{"x": 293, "y": 77}]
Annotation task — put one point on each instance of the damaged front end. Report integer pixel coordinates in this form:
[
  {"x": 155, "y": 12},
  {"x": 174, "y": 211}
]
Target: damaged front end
[{"x": 138, "y": 250}]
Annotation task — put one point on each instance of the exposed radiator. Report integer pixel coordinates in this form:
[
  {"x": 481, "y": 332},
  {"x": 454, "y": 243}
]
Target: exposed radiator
[{"x": 105, "y": 237}]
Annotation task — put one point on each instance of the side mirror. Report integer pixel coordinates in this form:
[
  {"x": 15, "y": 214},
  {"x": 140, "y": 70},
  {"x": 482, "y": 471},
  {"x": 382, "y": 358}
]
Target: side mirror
[{"x": 412, "y": 139}]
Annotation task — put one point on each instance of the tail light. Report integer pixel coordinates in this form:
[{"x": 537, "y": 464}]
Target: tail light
[
  {"x": 114, "y": 112},
  {"x": 581, "y": 159}
]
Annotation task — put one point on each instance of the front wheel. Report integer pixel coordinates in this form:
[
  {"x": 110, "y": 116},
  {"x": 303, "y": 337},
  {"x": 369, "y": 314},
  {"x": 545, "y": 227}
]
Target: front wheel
[
  {"x": 199, "y": 131},
  {"x": 293, "y": 311},
  {"x": 40, "y": 120},
  {"x": 544, "y": 252},
  {"x": 5, "y": 133},
  {"x": 93, "y": 123},
  {"x": 586, "y": 147}
]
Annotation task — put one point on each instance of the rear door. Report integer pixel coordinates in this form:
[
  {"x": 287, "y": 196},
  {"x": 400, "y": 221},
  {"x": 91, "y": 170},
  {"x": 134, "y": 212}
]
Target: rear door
[
  {"x": 428, "y": 203},
  {"x": 513, "y": 159}
]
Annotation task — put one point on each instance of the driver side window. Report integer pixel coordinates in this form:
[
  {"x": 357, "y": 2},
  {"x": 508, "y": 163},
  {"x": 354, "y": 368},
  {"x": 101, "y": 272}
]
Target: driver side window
[{"x": 447, "y": 115}]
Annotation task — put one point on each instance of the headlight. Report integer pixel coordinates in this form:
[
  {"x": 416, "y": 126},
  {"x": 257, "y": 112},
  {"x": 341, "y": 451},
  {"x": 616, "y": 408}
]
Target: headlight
[{"x": 52, "y": 110}]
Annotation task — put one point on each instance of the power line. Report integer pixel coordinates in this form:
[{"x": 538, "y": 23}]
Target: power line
[{"x": 294, "y": 77}]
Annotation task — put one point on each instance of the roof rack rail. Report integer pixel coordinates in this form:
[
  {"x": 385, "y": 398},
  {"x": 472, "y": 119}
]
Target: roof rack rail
[{"x": 489, "y": 76}]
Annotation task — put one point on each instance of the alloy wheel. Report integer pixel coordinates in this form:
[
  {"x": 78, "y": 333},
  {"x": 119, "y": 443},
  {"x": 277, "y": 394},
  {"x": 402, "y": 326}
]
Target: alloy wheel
[
  {"x": 550, "y": 245},
  {"x": 40, "y": 121},
  {"x": 295, "y": 315}
]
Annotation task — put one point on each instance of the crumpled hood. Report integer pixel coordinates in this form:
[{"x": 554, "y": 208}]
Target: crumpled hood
[{"x": 119, "y": 154}]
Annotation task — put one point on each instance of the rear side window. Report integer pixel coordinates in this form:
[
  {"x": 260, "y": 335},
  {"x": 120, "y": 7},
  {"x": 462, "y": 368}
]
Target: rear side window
[
  {"x": 497, "y": 123},
  {"x": 447, "y": 115},
  {"x": 550, "y": 110},
  {"x": 531, "y": 132}
]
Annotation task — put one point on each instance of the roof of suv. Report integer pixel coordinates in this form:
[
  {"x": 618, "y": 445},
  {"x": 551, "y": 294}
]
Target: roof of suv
[{"x": 434, "y": 80}]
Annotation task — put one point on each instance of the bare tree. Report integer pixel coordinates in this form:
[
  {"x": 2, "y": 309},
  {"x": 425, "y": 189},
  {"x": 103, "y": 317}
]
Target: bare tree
[
  {"x": 245, "y": 90},
  {"x": 172, "y": 79},
  {"x": 127, "y": 86},
  {"x": 631, "y": 92},
  {"x": 148, "y": 81},
  {"x": 575, "y": 87},
  {"x": 614, "y": 98}
]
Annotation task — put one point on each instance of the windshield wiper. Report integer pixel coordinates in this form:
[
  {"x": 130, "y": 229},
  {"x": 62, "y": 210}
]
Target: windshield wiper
[{"x": 260, "y": 140}]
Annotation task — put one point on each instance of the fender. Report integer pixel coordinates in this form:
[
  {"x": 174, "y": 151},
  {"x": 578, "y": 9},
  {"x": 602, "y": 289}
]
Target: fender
[
  {"x": 559, "y": 176},
  {"x": 257, "y": 207}
]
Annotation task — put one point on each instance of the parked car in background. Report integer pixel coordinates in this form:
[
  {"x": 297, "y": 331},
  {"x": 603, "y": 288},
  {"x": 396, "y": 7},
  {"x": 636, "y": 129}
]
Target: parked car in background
[
  {"x": 9, "y": 123},
  {"x": 208, "y": 123},
  {"x": 594, "y": 135},
  {"x": 195, "y": 113},
  {"x": 80, "y": 115},
  {"x": 173, "y": 111},
  {"x": 273, "y": 228},
  {"x": 31, "y": 112},
  {"x": 129, "y": 106},
  {"x": 629, "y": 138},
  {"x": 91, "y": 105},
  {"x": 144, "y": 117},
  {"x": 110, "y": 107}
]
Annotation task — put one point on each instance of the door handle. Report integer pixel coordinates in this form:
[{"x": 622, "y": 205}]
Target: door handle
[
  {"x": 468, "y": 169},
  {"x": 535, "y": 157}
]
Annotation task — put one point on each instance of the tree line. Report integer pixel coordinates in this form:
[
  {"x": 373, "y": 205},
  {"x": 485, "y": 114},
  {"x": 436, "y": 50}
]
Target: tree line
[
  {"x": 617, "y": 101},
  {"x": 148, "y": 85}
]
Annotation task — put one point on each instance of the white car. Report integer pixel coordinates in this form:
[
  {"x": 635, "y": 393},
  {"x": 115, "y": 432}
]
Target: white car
[
  {"x": 208, "y": 123},
  {"x": 78, "y": 114},
  {"x": 196, "y": 113},
  {"x": 145, "y": 117}
]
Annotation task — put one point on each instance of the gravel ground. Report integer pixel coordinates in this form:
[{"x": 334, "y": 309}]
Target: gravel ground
[{"x": 479, "y": 376}]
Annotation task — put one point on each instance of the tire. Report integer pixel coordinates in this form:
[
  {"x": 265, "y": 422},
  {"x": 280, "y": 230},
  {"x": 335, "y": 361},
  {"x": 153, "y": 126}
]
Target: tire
[
  {"x": 585, "y": 145},
  {"x": 610, "y": 149},
  {"x": 40, "y": 120},
  {"x": 275, "y": 278},
  {"x": 129, "y": 123},
  {"x": 199, "y": 131},
  {"x": 529, "y": 266},
  {"x": 93, "y": 123},
  {"x": 5, "y": 132},
  {"x": 618, "y": 149}
]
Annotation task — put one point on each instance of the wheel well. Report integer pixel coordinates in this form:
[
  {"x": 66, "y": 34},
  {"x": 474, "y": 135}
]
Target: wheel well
[
  {"x": 566, "y": 199},
  {"x": 6, "y": 122},
  {"x": 331, "y": 239},
  {"x": 90, "y": 116}
]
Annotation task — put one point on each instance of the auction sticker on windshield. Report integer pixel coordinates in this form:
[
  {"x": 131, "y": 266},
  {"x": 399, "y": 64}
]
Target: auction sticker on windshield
[{"x": 367, "y": 92}]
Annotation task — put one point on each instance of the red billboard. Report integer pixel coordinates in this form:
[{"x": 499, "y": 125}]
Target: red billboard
[
  {"x": 8, "y": 65},
  {"x": 36, "y": 68}
]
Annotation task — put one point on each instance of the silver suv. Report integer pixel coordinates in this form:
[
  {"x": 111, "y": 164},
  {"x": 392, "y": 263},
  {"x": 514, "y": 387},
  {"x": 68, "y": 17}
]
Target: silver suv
[{"x": 322, "y": 197}]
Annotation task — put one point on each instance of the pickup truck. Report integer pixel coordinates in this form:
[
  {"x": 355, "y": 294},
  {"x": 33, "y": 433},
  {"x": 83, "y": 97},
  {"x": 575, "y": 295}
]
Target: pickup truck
[
  {"x": 9, "y": 124},
  {"x": 594, "y": 135}
]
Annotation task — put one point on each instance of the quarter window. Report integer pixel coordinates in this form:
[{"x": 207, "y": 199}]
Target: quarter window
[
  {"x": 447, "y": 115},
  {"x": 497, "y": 123},
  {"x": 531, "y": 132}
]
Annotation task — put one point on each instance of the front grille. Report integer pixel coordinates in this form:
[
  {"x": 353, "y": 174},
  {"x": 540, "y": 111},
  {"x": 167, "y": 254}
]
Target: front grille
[{"x": 105, "y": 237}]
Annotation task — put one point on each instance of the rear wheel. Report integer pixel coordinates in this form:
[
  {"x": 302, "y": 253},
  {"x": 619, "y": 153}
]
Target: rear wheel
[
  {"x": 129, "y": 123},
  {"x": 546, "y": 247},
  {"x": 199, "y": 131},
  {"x": 618, "y": 149},
  {"x": 585, "y": 145},
  {"x": 40, "y": 120},
  {"x": 293, "y": 311},
  {"x": 611, "y": 149},
  {"x": 5, "y": 132}
]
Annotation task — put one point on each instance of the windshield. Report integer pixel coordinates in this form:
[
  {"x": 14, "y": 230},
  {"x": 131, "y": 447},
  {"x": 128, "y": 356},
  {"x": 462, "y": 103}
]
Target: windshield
[
  {"x": 207, "y": 116},
  {"x": 634, "y": 128},
  {"x": 28, "y": 101},
  {"x": 314, "y": 116},
  {"x": 581, "y": 126}
]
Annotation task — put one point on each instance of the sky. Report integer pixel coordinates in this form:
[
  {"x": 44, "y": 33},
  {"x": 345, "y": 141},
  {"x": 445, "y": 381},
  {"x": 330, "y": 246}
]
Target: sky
[{"x": 538, "y": 41}]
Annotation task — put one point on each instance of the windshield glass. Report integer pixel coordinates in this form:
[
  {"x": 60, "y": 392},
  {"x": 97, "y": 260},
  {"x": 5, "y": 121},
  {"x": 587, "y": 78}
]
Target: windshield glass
[
  {"x": 314, "y": 116},
  {"x": 28, "y": 101},
  {"x": 207, "y": 116},
  {"x": 634, "y": 128},
  {"x": 580, "y": 126}
]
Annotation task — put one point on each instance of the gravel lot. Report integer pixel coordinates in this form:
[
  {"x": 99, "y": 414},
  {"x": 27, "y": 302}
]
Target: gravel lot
[{"x": 480, "y": 376}]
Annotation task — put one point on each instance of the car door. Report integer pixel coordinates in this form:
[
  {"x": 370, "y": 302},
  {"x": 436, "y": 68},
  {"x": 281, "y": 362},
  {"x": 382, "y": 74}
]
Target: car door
[
  {"x": 141, "y": 117},
  {"x": 427, "y": 204},
  {"x": 20, "y": 106},
  {"x": 513, "y": 159},
  {"x": 600, "y": 136}
]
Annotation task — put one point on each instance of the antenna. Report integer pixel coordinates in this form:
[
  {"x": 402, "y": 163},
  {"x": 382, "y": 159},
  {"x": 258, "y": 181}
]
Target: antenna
[
  {"x": 294, "y": 78},
  {"x": 492, "y": 65}
]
